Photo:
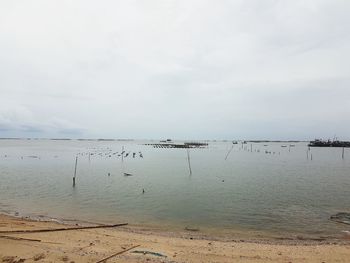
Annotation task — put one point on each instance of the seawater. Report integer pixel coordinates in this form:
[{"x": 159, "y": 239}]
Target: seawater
[{"x": 259, "y": 187}]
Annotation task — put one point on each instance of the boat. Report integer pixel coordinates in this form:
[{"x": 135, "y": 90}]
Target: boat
[{"x": 329, "y": 143}]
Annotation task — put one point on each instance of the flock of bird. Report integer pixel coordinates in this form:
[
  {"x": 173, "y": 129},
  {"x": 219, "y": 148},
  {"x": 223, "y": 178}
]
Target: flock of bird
[{"x": 108, "y": 153}]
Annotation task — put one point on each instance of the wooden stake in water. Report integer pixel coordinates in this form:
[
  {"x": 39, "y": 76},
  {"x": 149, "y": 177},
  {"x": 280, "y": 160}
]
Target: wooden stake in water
[
  {"x": 122, "y": 153},
  {"x": 75, "y": 170},
  {"x": 342, "y": 155},
  {"x": 189, "y": 161},
  {"x": 251, "y": 147},
  {"x": 229, "y": 152}
]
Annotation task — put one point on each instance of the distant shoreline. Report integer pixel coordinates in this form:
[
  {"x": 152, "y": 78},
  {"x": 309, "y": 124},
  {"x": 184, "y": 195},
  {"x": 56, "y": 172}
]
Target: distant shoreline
[{"x": 109, "y": 139}]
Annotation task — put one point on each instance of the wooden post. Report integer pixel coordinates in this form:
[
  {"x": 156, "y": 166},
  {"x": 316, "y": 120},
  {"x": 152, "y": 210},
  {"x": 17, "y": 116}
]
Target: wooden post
[
  {"x": 75, "y": 170},
  {"x": 251, "y": 147},
  {"x": 189, "y": 161},
  {"x": 122, "y": 153},
  {"x": 342, "y": 155},
  {"x": 229, "y": 152}
]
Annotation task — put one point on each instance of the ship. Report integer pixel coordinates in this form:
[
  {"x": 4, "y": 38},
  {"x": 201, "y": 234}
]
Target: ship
[{"x": 329, "y": 143}]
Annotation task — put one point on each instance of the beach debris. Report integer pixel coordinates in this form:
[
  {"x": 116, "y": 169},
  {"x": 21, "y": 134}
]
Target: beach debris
[
  {"x": 146, "y": 252},
  {"x": 20, "y": 238},
  {"x": 193, "y": 229},
  {"x": 116, "y": 254},
  {"x": 341, "y": 217},
  {"x": 65, "y": 258},
  {"x": 39, "y": 257},
  {"x": 59, "y": 229},
  {"x": 90, "y": 245},
  {"x": 127, "y": 174},
  {"x": 12, "y": 259}
]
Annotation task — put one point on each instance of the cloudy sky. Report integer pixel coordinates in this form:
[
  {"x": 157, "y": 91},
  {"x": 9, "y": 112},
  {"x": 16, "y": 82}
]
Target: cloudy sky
[{"x": 239, "y": 69}]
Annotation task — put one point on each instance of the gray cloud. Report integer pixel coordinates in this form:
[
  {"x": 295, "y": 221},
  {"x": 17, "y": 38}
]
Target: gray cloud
[{"x": 181, "y": 69}]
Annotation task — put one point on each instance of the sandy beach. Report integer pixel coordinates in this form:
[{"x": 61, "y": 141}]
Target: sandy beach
[{"x": 134, "y": 244}]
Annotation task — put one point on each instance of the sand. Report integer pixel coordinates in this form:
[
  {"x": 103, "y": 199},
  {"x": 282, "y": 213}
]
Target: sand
[{"x": 92, "y": 245}]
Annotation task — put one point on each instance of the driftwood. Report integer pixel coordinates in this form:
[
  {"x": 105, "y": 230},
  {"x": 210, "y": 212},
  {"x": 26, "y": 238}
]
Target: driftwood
[
  {"x": 58, "y": 229},
  {"x": 145, "y": 252},
  {"x": 20, "y": 238},
  {"x": 28, "y": 239},
  {"x": 116, "y": 254}
]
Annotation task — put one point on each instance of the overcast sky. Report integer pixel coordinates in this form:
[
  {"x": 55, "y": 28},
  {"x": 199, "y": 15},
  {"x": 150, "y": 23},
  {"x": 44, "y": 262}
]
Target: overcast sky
[{"x": 192, "y": 69}]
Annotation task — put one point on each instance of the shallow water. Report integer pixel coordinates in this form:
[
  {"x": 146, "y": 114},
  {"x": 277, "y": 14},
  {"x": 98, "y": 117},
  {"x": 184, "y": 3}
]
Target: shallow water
[{"x": 278, "y": 192}]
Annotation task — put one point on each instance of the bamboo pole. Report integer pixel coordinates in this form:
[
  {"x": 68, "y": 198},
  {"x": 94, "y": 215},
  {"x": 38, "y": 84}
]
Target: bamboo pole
[
  {"x": 58, "y": 229},
  {"x": 229, "y": 152},
  {"x": 189, "y": 161},
  {"x": 75, "y": 170},
  {"x": 122, "y": 153},
  {"x": 116, "y": 254}
]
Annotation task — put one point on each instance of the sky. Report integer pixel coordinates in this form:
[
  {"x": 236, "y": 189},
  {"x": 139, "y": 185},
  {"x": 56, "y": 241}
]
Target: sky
[{"x": 180, "y": 69}]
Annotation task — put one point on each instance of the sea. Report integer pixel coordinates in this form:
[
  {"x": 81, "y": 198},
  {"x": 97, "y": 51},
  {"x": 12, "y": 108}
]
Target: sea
[{"x": 272, "y": 188}]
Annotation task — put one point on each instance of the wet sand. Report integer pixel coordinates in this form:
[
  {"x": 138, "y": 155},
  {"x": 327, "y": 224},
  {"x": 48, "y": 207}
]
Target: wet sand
[{"x": 92, "y": 245}]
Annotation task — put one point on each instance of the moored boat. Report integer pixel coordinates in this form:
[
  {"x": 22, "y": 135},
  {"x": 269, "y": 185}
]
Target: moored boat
[{"x": 329, "y": 143}]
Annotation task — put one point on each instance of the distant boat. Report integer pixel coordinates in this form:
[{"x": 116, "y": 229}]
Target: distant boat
[
  {"x": 127, "y": 174},
  {"x": 329, "y": 143}
]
